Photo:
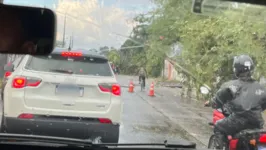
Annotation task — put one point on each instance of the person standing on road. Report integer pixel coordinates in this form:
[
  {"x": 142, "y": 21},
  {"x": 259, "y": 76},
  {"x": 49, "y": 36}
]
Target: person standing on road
[
  {"x": 243, "y": 97},
  {"x": 117, "y": 70},
  {"x": 142, "y": 75}
]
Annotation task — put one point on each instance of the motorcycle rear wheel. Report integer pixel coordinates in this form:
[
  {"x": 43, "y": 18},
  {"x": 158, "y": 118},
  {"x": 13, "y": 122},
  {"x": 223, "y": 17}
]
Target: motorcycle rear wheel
[{"x": 214, "y": 143}]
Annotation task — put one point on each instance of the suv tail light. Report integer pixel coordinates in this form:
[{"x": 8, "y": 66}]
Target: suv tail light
[
  {"x": 112, "y": 88},
  {"x": 105, "y": 120},
  {"x": 26, "y": 116},
  {"x": 21, "y": 82},
  {"x": 8, "y": 73}
]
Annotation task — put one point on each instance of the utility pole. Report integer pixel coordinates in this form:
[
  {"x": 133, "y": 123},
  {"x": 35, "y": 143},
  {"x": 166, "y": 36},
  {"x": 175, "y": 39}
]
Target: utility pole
[
  {"x": 72, "y": 42},
  {"x": 64, "y": 32},
  {"x": 69, "y": 48}
]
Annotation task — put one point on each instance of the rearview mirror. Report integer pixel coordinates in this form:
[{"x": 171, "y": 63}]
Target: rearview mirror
[
  {"x": 231, "y": 9},
  {"x": 26, "y": 30},
  {"x": 9, "y": 67},
  {"x": 204, "y": 90}
]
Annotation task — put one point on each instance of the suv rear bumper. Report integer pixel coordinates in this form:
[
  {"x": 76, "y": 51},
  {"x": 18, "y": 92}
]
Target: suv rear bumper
[{"x": 109, "y": 133}]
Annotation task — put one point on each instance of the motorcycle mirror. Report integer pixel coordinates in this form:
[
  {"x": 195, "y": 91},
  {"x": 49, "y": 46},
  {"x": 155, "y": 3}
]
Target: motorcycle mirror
[
  {"x": 204, "y": 90},
  {"x": 220, "y": 110},
  {"x": 27, "y": 30}
]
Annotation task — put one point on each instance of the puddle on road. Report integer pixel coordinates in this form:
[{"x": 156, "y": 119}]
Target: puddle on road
[
  {"x": 153, "y": 129},
  {"x": 169, "y": 131}
]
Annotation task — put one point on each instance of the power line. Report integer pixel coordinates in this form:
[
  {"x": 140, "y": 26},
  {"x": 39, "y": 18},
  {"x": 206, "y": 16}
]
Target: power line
[
  {"x": 77, "y": 18},
  {"x": 130, "y": 47},
  {"x": 64, "y": 31}
]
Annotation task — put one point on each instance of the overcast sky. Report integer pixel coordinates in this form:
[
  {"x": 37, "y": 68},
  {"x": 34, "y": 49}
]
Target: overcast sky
[{"x": 93, "y": 23}]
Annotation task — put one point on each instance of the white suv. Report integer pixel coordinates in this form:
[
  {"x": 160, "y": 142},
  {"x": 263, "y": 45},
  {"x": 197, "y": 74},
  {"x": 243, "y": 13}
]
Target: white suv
[{"x": 70, "y": 94}]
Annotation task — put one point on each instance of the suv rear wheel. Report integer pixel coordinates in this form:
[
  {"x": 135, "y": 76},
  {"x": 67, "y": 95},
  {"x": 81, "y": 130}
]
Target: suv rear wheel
[{"x": 2, "y": 128}]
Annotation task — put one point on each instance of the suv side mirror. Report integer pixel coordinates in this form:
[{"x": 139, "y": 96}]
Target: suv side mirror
[{"x": 9, "y": 67}]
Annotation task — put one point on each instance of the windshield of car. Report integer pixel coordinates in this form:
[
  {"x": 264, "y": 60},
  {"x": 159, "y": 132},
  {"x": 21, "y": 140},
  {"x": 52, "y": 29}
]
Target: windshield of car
[
  {"x": 77, "y": 65},
  {"x": 90, "y": 86}
]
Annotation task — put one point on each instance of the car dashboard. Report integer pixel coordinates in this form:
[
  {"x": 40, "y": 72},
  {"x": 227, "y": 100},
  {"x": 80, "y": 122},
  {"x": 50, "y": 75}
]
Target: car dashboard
[{"x": 13, "y": 146}]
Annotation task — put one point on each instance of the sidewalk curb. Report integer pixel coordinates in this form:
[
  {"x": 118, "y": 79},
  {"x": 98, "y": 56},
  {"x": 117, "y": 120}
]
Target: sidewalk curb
[{"x": 191, "y": 134}]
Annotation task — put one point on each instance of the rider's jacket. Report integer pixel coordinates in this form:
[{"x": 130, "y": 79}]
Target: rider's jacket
[
  {"x": 246, "y": 99},
  {"x": 142, "y": 72}
]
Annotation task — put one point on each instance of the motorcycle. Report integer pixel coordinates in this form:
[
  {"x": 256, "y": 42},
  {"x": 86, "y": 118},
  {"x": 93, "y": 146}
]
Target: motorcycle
[{"x": 245, "y": 140}]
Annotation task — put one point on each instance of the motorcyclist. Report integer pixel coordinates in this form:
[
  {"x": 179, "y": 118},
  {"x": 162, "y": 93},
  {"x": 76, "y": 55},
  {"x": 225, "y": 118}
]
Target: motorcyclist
[
  {"x": 142, "y": 75},
  {"x": 244, "y": 97}
]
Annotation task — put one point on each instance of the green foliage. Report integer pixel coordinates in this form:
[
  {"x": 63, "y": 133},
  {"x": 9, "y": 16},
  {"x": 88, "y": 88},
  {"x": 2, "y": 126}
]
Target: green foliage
[
  {"x": 209, "y": 43},
  {"x": 132, "y": 57},
  {"x": 114, "y": 56},
  {"x": 104, "y": 50}
]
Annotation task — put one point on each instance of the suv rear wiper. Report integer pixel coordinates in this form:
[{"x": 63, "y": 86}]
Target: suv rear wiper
[
  {"x": 70, "y": 142},
  {"x": 62, "y": 71}
]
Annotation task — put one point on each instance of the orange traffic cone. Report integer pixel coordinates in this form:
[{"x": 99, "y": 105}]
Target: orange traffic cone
[
  {"x": 151, "y": 93},
  {"x": 131, "y": 87}
]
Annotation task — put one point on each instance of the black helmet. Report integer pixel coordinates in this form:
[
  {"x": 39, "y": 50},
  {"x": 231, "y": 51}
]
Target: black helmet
[{"x": 243, "y": 66}]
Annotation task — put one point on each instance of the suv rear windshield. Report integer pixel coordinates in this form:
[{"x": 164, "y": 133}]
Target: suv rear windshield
[{"x": 76, "y": 65}]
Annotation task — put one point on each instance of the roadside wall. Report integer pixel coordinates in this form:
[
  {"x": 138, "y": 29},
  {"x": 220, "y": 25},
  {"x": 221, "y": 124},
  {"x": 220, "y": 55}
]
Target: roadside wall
[{"x": 169, "y": 72}]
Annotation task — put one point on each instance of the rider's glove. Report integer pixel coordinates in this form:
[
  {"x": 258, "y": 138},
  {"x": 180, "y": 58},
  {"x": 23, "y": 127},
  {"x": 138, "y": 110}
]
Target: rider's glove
[{"x": 207, "y": 104}]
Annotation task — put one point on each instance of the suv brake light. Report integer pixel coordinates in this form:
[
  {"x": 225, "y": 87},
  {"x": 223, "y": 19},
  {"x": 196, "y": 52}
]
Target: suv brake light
[
  {"x": 71, "y": 54},
  {"x": 112, "y": 88},
  {"x": 116, "y": 89},
  {"x": 21, "y": 82}
]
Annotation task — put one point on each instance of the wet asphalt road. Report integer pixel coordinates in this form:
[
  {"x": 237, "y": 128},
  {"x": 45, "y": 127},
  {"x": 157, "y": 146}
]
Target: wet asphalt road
[
  {"x": 163, "y": 117},
  {"x": 141, "y": 122}
]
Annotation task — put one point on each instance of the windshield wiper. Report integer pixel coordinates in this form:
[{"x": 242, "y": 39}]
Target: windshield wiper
[
  {"x": 86, "y": 143},
  {"x": 62, "y": 71},
  {"x": 165, "y": 144},
  {"x": 6, "y": 137}
]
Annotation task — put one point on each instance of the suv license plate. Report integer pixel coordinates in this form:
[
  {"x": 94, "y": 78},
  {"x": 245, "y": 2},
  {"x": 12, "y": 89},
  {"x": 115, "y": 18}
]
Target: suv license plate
[{"x": 68, "y": 90}]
